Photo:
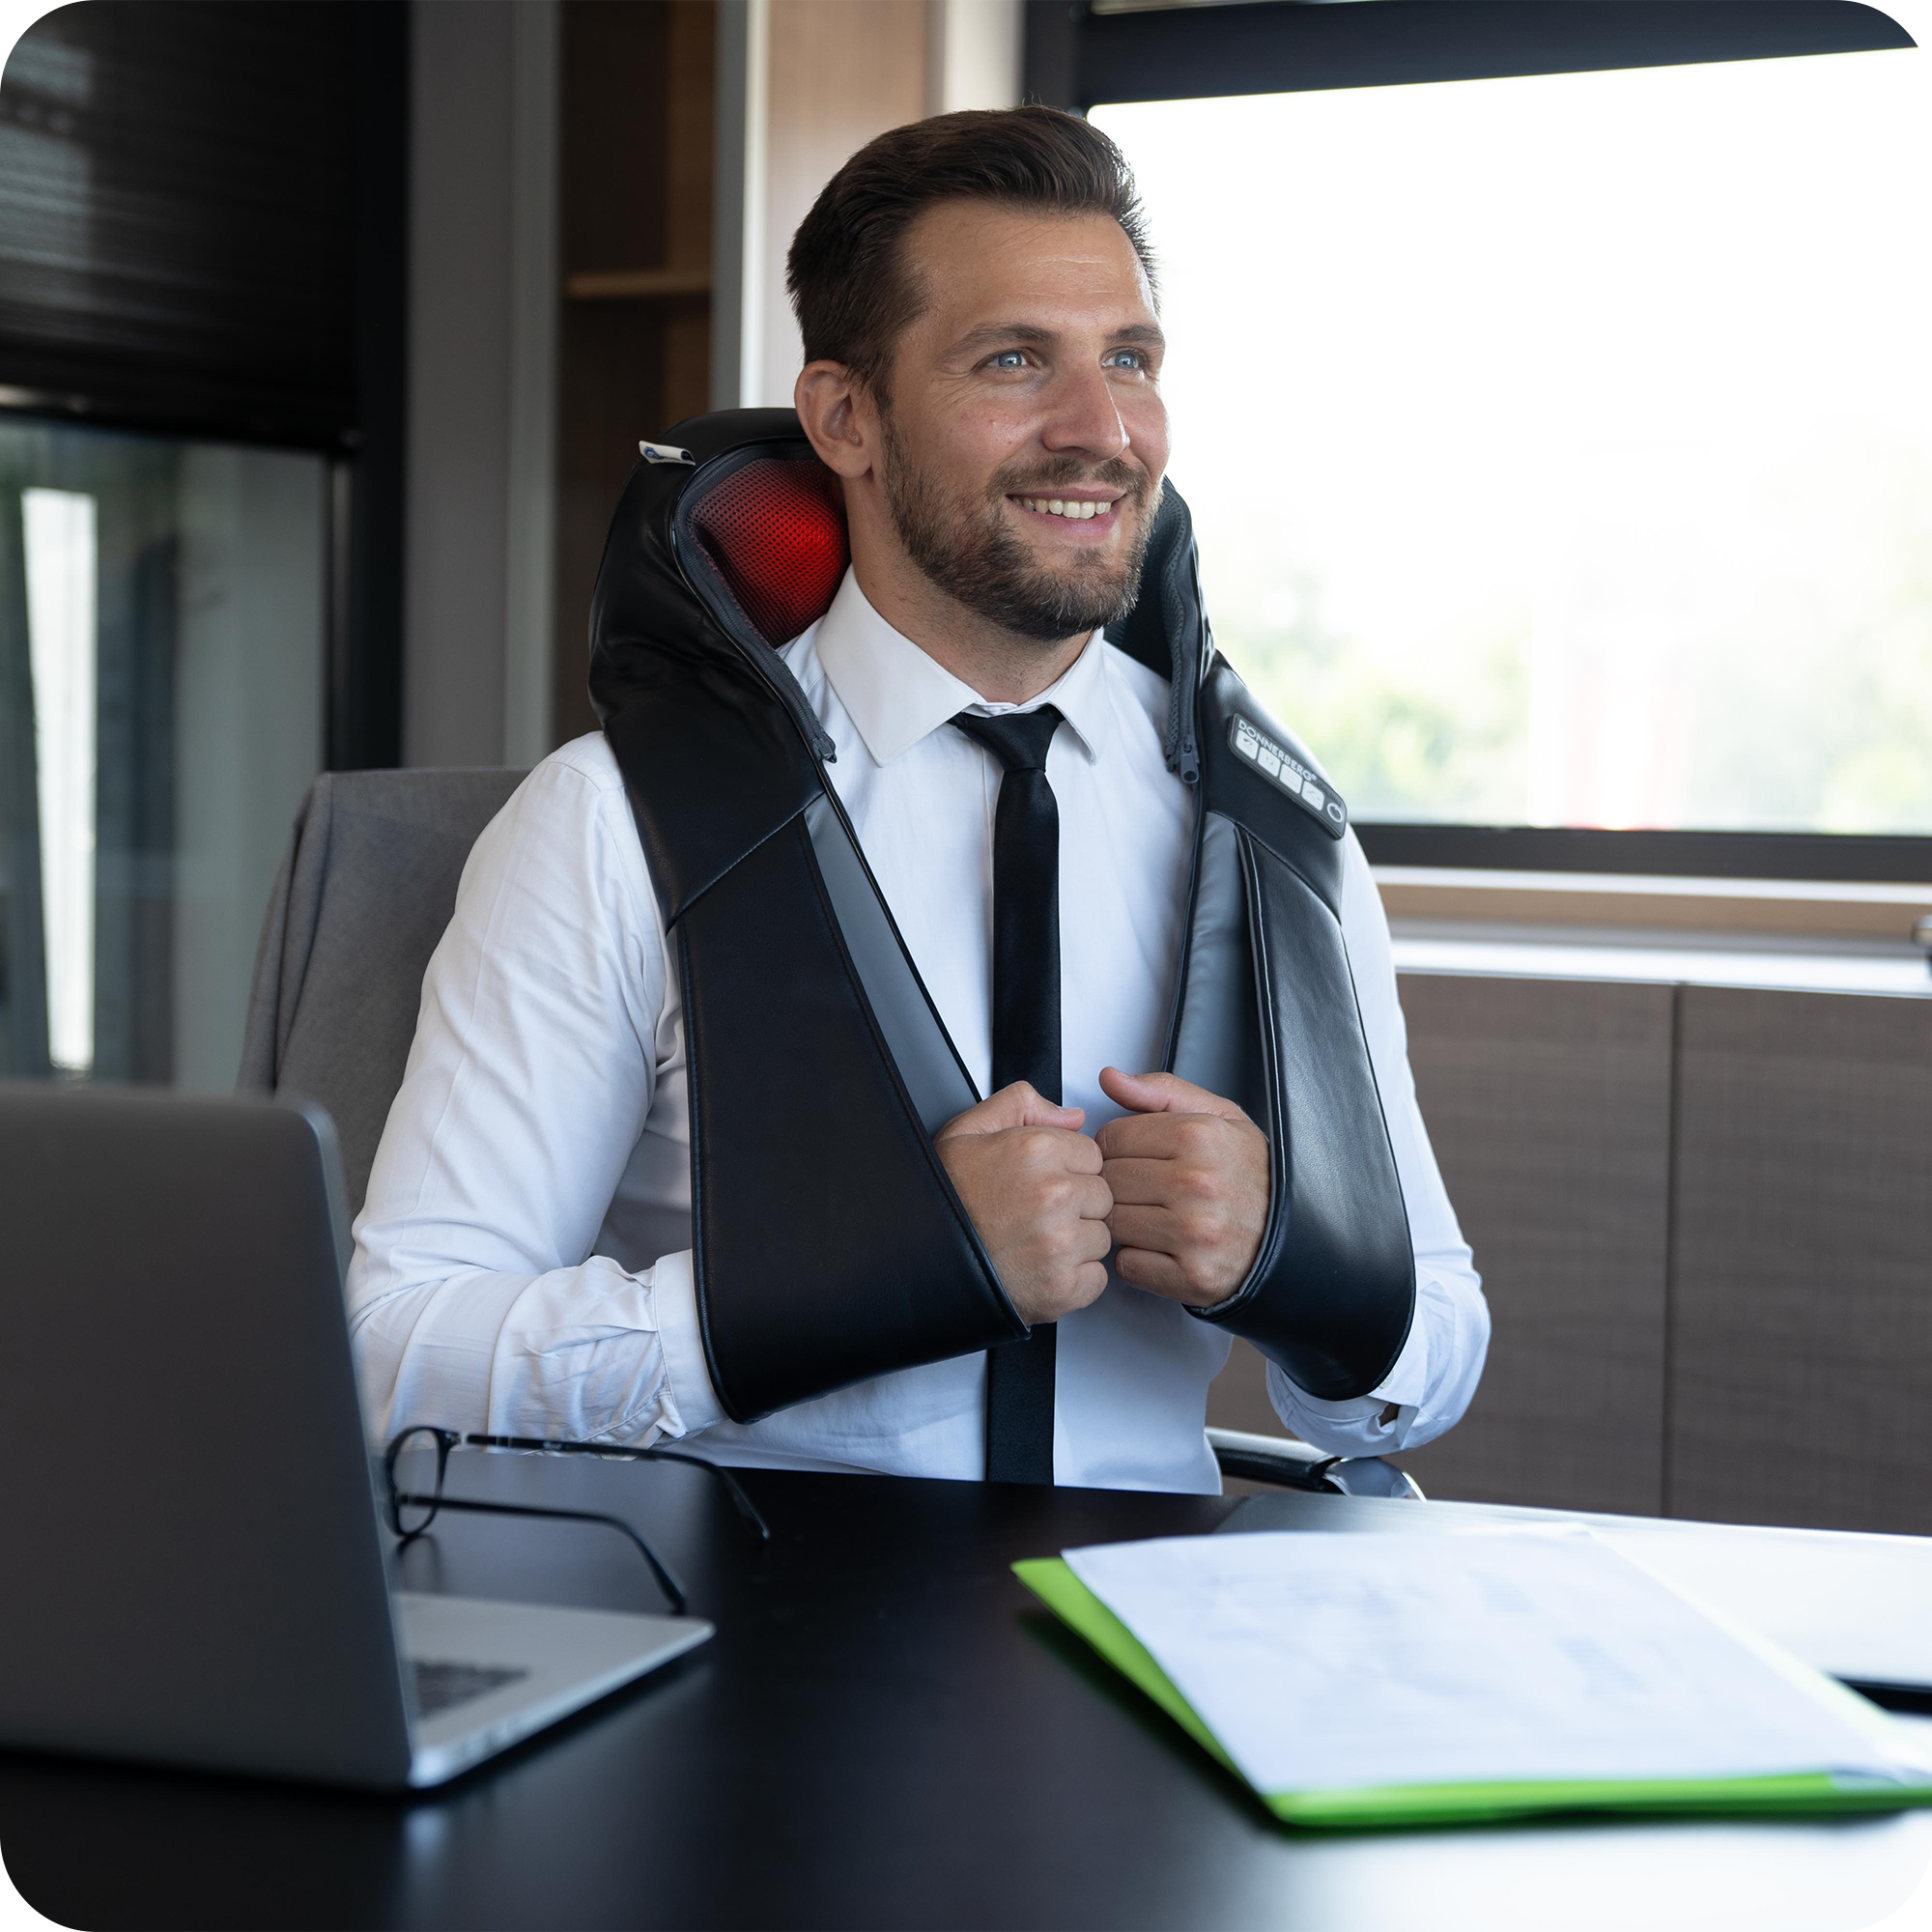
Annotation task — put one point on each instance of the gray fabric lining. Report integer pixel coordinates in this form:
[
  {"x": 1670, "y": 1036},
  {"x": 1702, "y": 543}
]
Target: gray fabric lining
[
  {"x": 1214, "y": 1048},
  {"x": 358, "y": 908},
  {"x": 919, "y": 1043}
]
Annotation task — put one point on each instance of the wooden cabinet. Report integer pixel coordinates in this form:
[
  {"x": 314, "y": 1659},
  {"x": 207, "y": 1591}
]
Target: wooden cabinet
[
  {"x": 1800, "y": 1329},
  {"x": 1548, "y": 1102},
  {"x": 1703, "y": 1217}
]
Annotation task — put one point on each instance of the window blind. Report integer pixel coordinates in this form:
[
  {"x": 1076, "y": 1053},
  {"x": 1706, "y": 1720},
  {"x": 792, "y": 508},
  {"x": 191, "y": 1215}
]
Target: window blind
[{"x": 178, "y": 184}]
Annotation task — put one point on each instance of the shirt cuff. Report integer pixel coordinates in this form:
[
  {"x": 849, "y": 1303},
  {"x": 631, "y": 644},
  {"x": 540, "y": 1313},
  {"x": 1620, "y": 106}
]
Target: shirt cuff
[
  {"x": 689, "y": 1402},
  {"x": 1404, "y": 1385}
]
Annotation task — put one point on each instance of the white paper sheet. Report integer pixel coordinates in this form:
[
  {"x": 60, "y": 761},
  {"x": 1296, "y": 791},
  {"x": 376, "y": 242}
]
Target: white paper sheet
[
  {"x": 1857, "y": 1606},
  {"x": 1852, "y": 1602},
  {"x": 1327, "y": 1661}
]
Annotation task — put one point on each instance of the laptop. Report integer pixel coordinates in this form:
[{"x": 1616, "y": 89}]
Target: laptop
[{"x": 198, "y": 1573}]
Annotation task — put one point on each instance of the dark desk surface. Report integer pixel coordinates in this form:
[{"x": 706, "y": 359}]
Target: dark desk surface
[{"x": 885, "y": 1732}]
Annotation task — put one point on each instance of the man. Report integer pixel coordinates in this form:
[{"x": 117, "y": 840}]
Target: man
[{"x": 982, "y": 375}]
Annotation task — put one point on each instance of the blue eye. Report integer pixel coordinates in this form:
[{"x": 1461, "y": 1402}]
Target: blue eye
[
  {"x": 1125, "y": 358},
  {"x": 1010, "y": 358}
]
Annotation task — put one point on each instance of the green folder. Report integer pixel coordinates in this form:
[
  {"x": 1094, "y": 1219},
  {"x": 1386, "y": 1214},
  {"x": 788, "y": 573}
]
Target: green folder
[{"x": 1807, "y": 1794}]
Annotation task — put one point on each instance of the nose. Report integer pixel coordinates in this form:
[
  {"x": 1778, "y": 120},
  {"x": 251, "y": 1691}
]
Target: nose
[{"x": 1085, "y": 418}]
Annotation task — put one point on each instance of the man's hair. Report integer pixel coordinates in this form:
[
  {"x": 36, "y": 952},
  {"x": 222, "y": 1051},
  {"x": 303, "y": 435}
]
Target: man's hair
[{"x": 850, "y": 285}]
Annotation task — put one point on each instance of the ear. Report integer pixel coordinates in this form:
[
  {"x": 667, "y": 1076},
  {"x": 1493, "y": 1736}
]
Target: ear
[{"x": 837, "y": 417}]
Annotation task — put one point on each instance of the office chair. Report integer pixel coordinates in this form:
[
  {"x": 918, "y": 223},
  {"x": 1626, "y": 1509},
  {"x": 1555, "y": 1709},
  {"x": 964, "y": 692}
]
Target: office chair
[
  {"x": 363, "y": 895},
  {"x": 1288, "y": 1465}
]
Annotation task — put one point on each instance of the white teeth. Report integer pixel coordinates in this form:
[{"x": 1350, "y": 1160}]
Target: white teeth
[{"x": 1059, "y": 506}]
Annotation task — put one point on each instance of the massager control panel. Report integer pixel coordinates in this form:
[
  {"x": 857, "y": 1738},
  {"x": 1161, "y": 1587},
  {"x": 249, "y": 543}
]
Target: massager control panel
[{"x": 1308, "y": 791}]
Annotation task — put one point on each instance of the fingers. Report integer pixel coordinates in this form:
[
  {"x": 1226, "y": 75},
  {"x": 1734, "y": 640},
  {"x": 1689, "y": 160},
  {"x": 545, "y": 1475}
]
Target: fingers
[
  {"x": 1145, "y": 1183},
  {"x": 1090, "y": 1281},
  {"x": 1080, "y": 1153},
  {"x": 1044, "y": 1150},
  {"x": 1152, "y": 1228},
  {"x": 1195, "y": 1243},
  {"x": 1163, "y": 1093},
  {"x": 1159, "y": 1274},
  {"x": 1091, "y": 1241},
  {"x": 1020, "y": 1105},
  {"x": 1061, "y": 1195},
  {"x": 1167, "y": 1136},
  {"x": 1094, "y": 1199},
  {"x": 1190, "y": 1201},
  {"x": 1038, "y": 1199}
]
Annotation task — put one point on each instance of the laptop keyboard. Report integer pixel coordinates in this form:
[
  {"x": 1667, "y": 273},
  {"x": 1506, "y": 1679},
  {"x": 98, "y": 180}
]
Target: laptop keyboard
[{"x": 441, "y": 1687}]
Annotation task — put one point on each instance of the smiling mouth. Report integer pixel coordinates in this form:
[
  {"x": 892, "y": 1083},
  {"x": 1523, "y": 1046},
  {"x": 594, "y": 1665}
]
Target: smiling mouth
[{"x": 1079, "y": 509}]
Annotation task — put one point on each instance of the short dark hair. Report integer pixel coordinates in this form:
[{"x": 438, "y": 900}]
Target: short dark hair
[{"x": 850, "y": 288}]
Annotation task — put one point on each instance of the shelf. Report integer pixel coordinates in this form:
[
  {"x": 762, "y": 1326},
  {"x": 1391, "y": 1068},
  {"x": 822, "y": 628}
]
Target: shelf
[{"x": 636, "y": 284}]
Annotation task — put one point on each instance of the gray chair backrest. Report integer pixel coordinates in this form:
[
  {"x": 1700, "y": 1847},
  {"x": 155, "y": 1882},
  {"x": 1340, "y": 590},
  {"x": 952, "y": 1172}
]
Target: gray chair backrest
[{"x": 362, "y": 899}]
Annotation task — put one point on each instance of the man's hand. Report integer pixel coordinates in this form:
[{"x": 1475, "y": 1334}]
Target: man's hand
[
  {"x": 1031, "y": 1184},
  {"x": 1189, "y": 1176}
]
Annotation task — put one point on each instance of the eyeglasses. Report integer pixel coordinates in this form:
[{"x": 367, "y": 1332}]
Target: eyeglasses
[
  {"x": 411, "y": 1512},
  {"x": 625, "y": 1452}
]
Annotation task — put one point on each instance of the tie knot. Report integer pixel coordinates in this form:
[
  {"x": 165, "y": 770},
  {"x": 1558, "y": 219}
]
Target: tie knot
[{"x": 1018, "y": 739}]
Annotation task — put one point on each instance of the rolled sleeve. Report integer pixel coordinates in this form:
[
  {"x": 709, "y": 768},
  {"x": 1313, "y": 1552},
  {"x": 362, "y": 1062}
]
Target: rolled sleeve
[
  {"x": 689, "y": 1402},
  {"x": 478, "y": 1298}
]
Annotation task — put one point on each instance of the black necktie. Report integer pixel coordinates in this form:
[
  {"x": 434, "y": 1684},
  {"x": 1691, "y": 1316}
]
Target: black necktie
[{"x": 1025, "y": 1042}]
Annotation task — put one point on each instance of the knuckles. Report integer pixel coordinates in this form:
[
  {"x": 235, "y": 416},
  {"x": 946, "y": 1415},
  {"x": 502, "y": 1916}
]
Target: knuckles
[
  {"x": 1031, "y": 1189},
  {"x": 1037, "y": 1149},
  {"x": 1080, "y": 1287},
  {"x": 1205, "y": 1187}
]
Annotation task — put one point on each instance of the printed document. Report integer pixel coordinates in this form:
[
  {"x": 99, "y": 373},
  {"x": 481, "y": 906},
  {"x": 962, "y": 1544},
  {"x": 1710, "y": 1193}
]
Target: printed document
[{"x": 1328, "y": 1660}]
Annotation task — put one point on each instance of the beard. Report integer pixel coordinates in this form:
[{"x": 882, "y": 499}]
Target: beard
[{"x": 967, "y": 550}]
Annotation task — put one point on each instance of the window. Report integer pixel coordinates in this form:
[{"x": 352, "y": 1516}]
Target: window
[
  {"x": 161, "y": 627},
  {"x": 1561, "y": 444}
]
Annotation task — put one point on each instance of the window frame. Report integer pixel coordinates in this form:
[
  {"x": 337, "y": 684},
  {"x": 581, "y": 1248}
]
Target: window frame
[{"x": 1080, "y": 55}]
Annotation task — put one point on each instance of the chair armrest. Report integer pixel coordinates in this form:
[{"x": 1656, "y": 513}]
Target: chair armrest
[{"x": 1295, "y": 1466}]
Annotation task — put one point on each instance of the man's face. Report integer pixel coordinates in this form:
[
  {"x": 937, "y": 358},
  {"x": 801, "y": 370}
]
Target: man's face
[{"x": 1023, "y": 431}]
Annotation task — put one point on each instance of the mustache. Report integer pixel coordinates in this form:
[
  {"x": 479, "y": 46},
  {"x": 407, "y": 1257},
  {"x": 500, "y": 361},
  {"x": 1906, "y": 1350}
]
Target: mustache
[{"x": 1043, "y": 479}]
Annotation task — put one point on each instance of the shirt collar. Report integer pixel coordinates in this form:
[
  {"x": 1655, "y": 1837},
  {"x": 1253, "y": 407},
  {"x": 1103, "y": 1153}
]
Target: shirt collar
[{"x": 896, "y": 694}]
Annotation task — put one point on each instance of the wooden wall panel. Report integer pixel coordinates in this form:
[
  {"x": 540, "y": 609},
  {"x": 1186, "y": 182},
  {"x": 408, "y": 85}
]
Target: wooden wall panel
[
  {"x": 1237, "y": 1397},
  {"x": 1801, "y": 1307},
  {"x": 841, "y": 71},
  {"x": 1548, "y": 1102},
  {"x": 1548, "y": 1106}
]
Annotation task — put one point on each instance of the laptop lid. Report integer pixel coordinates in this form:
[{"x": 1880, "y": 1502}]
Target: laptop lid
[{"x": 188, "y": 1507}]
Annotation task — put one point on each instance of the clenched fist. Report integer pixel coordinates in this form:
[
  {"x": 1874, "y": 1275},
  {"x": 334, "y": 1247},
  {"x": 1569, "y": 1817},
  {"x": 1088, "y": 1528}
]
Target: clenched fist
[
  {"x": 1031, "y": 1184},
  {"x": 1188, "y": 1172}
]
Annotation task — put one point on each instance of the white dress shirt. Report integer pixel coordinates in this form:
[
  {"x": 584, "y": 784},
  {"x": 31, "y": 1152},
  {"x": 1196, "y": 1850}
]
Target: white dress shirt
[{"x": 523, "y": 1261}]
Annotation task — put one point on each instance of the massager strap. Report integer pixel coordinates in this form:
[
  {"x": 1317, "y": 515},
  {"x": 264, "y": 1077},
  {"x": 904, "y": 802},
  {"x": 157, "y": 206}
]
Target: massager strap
[
  {"x": 1266, "y": 1014},
  {"x": 829, "y": 1244}
]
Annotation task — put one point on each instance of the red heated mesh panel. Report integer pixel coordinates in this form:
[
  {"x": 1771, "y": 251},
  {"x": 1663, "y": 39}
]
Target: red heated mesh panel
[{"x": 776, "y": 533}]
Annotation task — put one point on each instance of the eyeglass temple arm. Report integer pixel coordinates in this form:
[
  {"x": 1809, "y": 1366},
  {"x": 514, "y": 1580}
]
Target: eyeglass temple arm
[
  {"x": 745, "y": 1508},
  {"x": 667, "y": 1582}
]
